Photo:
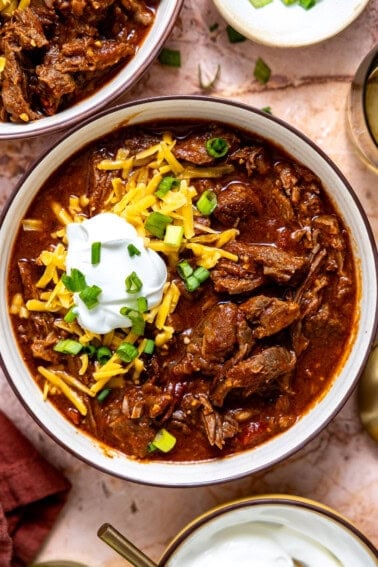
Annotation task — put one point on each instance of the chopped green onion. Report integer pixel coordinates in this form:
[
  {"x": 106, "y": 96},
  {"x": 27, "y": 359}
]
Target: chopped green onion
[
  {"x": 211, "y": 83},
  {"x": 261, "y": 71},
  {"x": 192, "y": 283},
  {"x": 165, "y": 185},
  {"x": 103, "y": 354},
  {"x": 234, "y": 36},
  {"x": 137, "y": 322},
  {"x": 156, "y": 223},
  {"x": 90, "y": 350},
  {"x": 289, "y": 2},
  {"x": 173, "y": 235},
  {"x": 207, "y": 202},
  {"x": 71, "y": 315},
  {"x": 133, "y": 283},
  {"x": 133, "y": 250},
  {"x": 163, "y": 441},
  {"x": 184, "y": 269},
  {"x": 142, "y": 304},
  {"x": 170, "y": 57},
  {"x": 307, "y": 4},
  {"x": 149, "y": 347},
  {"x": 89, "y": 295},
  {"x": 217, "y": 147},
  {"x": 103, "y": 394},
  {"x": 201, "y": 273},
  {"x": 127, "y": 352},
  {"x": 75, "y": 281},
  {"x": 260, "y": 3},
  {"x": 95, "y": 253},
  {"x": 267, "y": 109},
  {"x": 68, "y": 346}
]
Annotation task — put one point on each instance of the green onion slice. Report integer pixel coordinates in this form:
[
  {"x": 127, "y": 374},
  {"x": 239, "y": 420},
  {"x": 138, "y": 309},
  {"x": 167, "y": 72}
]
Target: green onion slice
[
  {"x": 71, "y": 315},
  {"x": 261, "y": 71},
  {"x": 127, "y": 352},
  {"x": 192, "y": 283},
  {"x": 170, "y": 57},
  {"x": 207, "y": 202},
  {"x": 234, "y": 36},
  {"x": 89, "y": 296},
  {"x": 307, "y": 4},
  {"x": 103, "y": 394},
  {"x": 68, "y": 346},
  {"x": 133, "y": 283},
  {"x": 267, "y": 109},
  {"x": 163, "y": 441},
  {"x": 184, "y": 269},
  {"x": 95, "y": 253},
  {"x": 156, "y": 224},
  {"x": 149, "y": 347},
  {"x": 142, "y": 304},
  {"x": 75, "y": 281},
  {"x": 260, "y": 3},
  {"x": 133, "y": 250},
  {"x": 201, "y": 273},
  {"x": 137, "y": 321},
  {"x": 89, "y": 349},
  {"x": 103, "y": 354},
  {"x": 165, "y": 185},
  {"x": 217, "y": 147},
  {"x": 174, "y": 235}
]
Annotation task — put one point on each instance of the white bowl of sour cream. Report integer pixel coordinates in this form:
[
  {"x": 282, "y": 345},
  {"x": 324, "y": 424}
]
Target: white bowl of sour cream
[{"x": 270, "y": 531}]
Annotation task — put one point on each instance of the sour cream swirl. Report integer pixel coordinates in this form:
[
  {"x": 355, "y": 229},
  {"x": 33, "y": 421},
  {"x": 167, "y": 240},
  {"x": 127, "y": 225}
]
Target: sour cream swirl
[{"x": 115, "y": 235}]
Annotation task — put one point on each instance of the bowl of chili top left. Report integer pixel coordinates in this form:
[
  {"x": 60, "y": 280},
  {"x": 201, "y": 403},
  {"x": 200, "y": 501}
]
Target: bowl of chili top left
[{"x": 61, "y": 61}]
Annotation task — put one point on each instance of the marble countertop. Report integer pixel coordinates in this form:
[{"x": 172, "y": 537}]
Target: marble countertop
[{"x": 308, "y": 89}]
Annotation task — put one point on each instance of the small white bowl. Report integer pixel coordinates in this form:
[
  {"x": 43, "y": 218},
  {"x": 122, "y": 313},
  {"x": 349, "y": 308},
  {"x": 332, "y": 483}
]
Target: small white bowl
[
  {"x": 303, "y": 529},
  {"x": 290, "y": 26},
  {"x": 128, "y": 76},
  {"x": 281, "y": 446}
]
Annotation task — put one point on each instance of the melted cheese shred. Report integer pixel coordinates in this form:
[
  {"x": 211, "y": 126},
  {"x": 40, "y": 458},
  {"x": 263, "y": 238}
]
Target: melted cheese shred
[{"x": 133, "y": 181}]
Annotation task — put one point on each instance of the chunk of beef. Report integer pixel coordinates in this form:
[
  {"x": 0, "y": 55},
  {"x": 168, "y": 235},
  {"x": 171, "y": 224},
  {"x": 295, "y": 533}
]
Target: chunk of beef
[
  {"x": 234, "y": 278},
  {"x": 276, "y": 263},
  {"x": 223, "y": 333},
  {"x": 53, "y": 86},
  {"x": 139, "y": 10},
  {"x": 15, "y": 87},
  {"x": 146, "y": 400},
  {"x": 24, "y": 31},
  {"x": 254, "y": 374},
  {"x": 192, "y": 148},
  {"x": 99, "y": 183},
  {"x": 255, "y": 159},
  {"x": 235, "y": 202},
  {"x": 218, "y": 427},
  {"x": 269, "y": 315}
]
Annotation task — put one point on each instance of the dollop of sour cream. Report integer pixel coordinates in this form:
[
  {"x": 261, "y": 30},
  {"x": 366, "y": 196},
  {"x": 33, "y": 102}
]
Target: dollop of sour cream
[
  {"x": 261, "y": 544},
  {"x": 114, "y": 235}
]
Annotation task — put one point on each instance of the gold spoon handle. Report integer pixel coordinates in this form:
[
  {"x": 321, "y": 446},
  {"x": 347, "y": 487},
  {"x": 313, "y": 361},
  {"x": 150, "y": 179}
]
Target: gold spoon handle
[{"x": 124, "y": 547}]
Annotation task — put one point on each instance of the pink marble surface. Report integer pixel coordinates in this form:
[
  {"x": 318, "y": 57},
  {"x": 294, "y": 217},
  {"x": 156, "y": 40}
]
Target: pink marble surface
[{"x": 308, "y": 89}]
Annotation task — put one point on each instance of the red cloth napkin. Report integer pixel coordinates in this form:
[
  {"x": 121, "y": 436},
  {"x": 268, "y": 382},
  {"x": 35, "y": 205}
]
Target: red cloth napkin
[{"x": 32, "y": 493}]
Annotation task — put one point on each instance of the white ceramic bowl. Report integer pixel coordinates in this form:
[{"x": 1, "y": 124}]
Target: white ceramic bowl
[
  {"x": 290, "y": 26},
  {"x": 304, "y": 529},
  {"x": 128, "y": 76},
  {"x": 238, "y": 465}
]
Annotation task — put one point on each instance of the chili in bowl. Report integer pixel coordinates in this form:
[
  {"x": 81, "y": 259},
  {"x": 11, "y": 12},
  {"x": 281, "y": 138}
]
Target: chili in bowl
[
  {"x": 191, "y": 288},
  {"x": 61, "y": 61}
]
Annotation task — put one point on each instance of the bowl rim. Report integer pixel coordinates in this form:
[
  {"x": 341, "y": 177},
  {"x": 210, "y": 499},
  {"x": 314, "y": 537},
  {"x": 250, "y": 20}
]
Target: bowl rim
[
  {"x": 90, "y": 105},
  {"x": 269, "y": 499},
  {"x": 192, "y": 465}
]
